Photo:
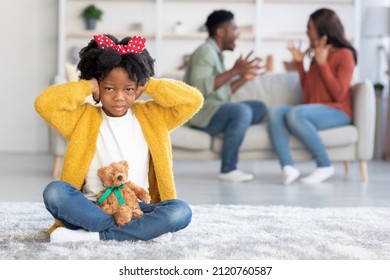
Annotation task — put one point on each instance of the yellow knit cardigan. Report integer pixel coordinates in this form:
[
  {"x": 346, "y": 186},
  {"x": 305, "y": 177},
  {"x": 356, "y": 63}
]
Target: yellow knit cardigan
[{"x": 172, "y": 104}]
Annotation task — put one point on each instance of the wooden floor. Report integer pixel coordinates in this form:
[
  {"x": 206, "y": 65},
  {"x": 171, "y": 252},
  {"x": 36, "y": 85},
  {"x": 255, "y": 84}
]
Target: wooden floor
[{"x": 24, "y": 176}]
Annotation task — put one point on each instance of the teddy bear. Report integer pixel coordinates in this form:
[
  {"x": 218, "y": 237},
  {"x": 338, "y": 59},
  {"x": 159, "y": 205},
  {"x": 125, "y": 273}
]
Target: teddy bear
[{"x": 119, "y": 196}]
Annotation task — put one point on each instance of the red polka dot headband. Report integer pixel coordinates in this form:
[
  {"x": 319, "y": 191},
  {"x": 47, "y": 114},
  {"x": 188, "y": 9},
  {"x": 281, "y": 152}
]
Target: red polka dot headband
[{"x": 136, "y": 44}]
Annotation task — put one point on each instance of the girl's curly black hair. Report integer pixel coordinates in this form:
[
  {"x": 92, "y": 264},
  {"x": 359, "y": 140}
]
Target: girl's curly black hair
[{"x": 97, "y": 63}]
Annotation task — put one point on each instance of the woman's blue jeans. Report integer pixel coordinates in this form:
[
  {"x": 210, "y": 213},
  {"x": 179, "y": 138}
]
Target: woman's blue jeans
[
  {"x": 304, "y": 122},
  {"x": 75, "y": 211},
  {"x": 233, "y": 120}
]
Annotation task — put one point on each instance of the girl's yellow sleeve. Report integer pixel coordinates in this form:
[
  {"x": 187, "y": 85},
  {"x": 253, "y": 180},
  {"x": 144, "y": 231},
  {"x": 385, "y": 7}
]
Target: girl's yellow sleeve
[
  {"x": 174, "y": 100},
  {"x": 61, "y": 106}
]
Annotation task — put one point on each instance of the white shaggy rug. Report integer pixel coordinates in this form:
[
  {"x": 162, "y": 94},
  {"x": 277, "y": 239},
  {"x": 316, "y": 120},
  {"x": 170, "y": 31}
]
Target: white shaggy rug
[{"x": 217, "y": 232}]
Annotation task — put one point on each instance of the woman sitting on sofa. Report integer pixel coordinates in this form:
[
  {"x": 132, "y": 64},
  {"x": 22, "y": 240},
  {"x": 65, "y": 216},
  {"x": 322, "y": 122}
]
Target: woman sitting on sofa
[{"x": 326, "y": 101}]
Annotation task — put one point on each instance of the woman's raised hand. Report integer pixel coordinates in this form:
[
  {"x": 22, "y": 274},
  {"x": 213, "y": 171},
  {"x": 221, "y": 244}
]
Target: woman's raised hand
[
  {"x": 321, "y": 50},
  {"x": 295, "y": 49}
]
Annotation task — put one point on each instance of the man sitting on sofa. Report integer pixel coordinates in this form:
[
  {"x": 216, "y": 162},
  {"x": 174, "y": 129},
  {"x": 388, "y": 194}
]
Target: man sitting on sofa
[{"x": 207, "y": 72}]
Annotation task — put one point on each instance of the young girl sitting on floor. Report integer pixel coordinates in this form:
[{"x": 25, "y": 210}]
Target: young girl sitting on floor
[{"x": 116, "y": 74}]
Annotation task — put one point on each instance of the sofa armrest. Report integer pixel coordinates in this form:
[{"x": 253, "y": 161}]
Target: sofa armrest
[{"x": 363, "y": 98}]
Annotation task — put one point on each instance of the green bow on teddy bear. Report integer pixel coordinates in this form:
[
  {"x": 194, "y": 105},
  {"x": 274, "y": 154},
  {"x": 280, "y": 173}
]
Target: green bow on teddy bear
[{"x": 117, "y": 193}]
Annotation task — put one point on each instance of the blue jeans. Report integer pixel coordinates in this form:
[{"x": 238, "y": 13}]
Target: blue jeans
[
  {"x": 75, "y": 211},
  {"x": 304, "y": 122},
  {"x": 233, "y": 120}
]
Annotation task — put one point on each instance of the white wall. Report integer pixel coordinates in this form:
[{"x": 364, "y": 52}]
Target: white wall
[
  {"x": 28, "y": 63},
  {"x": 368, "y": 53}
]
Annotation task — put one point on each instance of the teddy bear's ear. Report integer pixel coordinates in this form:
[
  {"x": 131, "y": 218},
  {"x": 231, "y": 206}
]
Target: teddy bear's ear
[
  {"x": 125, "y": 163},
  {"x": 100, "y": 172}
]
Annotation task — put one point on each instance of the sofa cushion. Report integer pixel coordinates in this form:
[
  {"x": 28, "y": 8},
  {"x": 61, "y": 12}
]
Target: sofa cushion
[
  {"x": 340, "y": 136},
  {"x": 190, "y": 138},
  {"x": 272, "y": 89},
  {"x": 257, "y": 138}
]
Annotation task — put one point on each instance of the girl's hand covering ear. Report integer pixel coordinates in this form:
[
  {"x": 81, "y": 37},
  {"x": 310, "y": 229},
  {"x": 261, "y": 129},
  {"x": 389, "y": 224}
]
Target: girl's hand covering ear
[
  {"x": 140, "y": 90},
  {"x": 93, "y": 83}
]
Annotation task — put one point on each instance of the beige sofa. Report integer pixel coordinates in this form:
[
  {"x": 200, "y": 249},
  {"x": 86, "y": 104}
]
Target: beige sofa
[{"x": 352, "y": 142}]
